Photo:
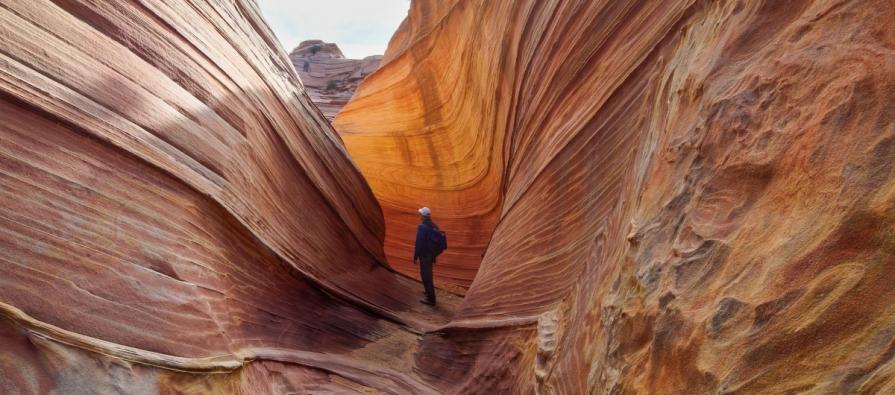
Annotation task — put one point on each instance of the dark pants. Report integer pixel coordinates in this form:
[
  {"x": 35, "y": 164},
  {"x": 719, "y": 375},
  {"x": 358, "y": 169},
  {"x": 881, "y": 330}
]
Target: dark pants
[{"x": 426, "y": 263}]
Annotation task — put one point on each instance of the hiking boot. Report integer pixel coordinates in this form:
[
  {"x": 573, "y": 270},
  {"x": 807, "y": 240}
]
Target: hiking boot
[{"x": 427, "y": 301}]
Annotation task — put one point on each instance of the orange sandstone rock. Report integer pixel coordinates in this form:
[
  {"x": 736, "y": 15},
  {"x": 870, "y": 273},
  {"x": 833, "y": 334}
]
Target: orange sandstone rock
[
  {"x": 671, "y": 197},
  {"x": 676, "y": 197},
  {"x": 171, "y": 201}
]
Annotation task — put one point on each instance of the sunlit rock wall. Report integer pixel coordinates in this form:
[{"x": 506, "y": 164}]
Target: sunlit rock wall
[
  {"x": 328, "y": 77},
  {"x": 427, "y": 130},
  {"x": 173, "y": 208},
  {"x": 685, "y": 196}
]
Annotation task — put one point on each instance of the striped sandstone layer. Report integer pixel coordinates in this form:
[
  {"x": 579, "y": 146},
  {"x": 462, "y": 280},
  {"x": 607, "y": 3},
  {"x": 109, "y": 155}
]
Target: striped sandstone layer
[
  {"x": 672, "y": 197},
  {"x": 175, "y": 215}
]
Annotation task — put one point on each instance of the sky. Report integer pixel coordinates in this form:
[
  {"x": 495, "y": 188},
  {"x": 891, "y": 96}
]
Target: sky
[{"x": 360, "y": 27}]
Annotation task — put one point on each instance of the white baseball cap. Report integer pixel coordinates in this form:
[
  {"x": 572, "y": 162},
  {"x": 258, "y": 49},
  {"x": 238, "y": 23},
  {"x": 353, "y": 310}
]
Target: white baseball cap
[{"x": 425, "y": 211}]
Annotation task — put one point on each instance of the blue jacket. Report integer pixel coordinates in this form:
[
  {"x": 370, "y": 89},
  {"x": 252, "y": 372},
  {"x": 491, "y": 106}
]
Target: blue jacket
[{"x": 423, "y": 235}]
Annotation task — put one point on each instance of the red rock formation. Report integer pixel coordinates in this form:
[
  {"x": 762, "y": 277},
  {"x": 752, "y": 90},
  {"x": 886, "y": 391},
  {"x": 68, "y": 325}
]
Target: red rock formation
[
  {"x": 329, "y": 79},
  {"x": 171, "y": 203},
  {"x": 672, "y": 197},
  {"x": 685, "y": 197}
]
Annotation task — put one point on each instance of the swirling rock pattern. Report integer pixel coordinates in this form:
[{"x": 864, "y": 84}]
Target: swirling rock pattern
[
  {"x": 171, "y": 201},
  {"x": 698, "y": 195},
  {"x": 329, "y": 79},
  {"x": 642, "y": 197}
]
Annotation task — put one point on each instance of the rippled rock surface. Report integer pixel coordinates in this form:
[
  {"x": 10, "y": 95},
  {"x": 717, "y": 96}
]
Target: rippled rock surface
[
  {"x": 672, "y": 197},
  {"x": 641, "y": 197},
  {"x": 175, "y": 215}
]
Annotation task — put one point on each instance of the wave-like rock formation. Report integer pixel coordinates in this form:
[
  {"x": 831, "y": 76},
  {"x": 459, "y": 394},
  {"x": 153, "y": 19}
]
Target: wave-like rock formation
[
  {"x": 641, "y": 197},
  {"x": 173, "y": 208},
  {"x": 329, "y": 79},
  {"x": 672, "y": 197}
]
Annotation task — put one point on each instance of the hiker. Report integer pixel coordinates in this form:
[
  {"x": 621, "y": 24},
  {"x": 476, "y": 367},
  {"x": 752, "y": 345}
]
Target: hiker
[{"x": 430, "y": 242}]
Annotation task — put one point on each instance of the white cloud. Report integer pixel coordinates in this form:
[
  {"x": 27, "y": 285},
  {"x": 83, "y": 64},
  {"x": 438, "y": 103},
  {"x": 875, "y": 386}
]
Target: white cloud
[{"x": 360, "y": 27}]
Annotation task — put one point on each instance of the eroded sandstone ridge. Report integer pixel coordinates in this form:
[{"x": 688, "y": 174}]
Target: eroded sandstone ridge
[
  {"x": 685, "y": 196},
  {"x": 671, "y": 197},
  {"x": 329, "y": 79}
]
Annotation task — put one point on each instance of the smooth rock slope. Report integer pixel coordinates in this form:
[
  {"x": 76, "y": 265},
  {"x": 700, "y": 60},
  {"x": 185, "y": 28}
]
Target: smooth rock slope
[{"x": 175, "y": 215}]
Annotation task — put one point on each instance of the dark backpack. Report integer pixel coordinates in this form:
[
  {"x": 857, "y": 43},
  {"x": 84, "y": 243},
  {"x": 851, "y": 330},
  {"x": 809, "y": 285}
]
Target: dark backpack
[{"x": 438, "y": 240}]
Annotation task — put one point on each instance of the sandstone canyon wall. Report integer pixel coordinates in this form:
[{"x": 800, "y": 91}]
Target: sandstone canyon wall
[
  {"x": 176, "y": 216},
  {"x": 641, "y": 197},
  {"x": 329, "y": 79},
  {"x": 685, "y": 196}
]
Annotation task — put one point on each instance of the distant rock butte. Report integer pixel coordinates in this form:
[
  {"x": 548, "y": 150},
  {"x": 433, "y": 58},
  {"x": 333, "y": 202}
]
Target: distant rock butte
[
  {"x": 655, "y": 197},
  {"x": 329, "y": 79}
]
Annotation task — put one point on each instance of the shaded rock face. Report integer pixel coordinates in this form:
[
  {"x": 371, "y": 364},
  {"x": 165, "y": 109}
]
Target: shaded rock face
[
  {"x": 700, "y": 192},
  {"x": 655, "y": 197},
  {"x": 329, "y": 79}
]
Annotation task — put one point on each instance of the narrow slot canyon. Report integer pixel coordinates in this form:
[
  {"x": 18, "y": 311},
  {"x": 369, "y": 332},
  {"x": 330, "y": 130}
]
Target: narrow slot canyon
[{"x": 667, "y": 197}]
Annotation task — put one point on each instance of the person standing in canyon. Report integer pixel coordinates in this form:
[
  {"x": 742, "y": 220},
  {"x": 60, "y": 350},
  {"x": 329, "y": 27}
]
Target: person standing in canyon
[{"x": 430, "y": 242}]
